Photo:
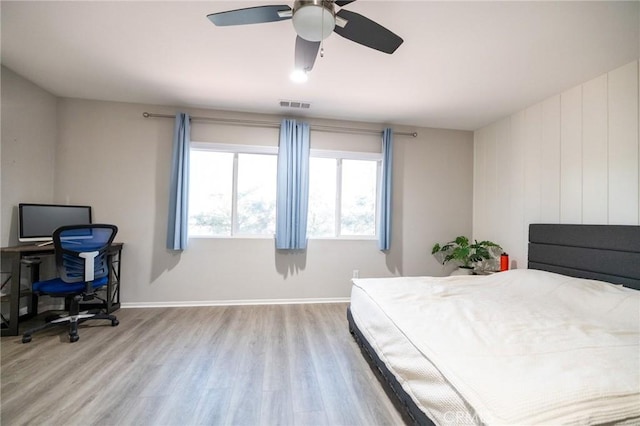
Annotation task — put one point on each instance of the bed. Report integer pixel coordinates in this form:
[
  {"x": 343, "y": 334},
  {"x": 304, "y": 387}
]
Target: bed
[{"x": 556, "y": 343}]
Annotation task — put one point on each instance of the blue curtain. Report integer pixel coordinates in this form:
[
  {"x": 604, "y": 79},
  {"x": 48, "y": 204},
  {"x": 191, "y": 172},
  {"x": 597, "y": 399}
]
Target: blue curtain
[
  {"x": 384, "y": 224},
  {"x": 179, "y": 185},
  {"x": 292, "y": 195}
]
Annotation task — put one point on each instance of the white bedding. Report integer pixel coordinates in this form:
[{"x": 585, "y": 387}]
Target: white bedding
[{"x": 523, "y": 346}]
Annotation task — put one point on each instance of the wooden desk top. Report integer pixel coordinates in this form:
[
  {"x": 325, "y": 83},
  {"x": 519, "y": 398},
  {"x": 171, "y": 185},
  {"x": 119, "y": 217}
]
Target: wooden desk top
[{"x": 34, "y": 248}]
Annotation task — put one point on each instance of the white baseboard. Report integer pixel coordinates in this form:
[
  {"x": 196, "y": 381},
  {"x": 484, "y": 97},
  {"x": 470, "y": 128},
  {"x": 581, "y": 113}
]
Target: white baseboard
[{"x": 232, "y": 302}]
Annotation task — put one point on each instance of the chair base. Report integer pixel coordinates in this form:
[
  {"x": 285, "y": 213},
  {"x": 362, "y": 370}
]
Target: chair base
[{"x": 73, "y": 321}]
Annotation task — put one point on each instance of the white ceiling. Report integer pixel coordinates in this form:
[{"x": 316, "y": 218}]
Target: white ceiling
[{"x": 462, "y": 65}]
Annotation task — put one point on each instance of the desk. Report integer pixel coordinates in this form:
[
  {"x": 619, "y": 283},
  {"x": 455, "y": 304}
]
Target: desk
[{"x": 16, "y": 254}]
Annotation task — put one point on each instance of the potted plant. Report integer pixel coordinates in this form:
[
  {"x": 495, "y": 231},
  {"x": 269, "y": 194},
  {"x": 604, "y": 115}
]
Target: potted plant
[{"x": 464, "y": 253}]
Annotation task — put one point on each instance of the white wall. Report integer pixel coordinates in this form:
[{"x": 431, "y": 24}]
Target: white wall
[
  {"x": 112, "y": 158},
  {"x": 107, "y": 155},
  {"x": 573, "y": 158},
  {"x": 27, "y": 149}
]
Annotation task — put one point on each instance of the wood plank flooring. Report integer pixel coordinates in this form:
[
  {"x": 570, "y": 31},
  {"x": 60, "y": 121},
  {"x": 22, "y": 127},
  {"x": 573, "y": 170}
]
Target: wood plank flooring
[{"x": 236, "y": 365}]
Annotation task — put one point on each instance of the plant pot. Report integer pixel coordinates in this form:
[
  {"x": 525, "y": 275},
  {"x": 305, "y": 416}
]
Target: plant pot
[{"x": 462, "y": 271}]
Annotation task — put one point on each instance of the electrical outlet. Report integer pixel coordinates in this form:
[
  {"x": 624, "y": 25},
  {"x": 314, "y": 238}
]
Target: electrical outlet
[{"x": 356, "y": 273}]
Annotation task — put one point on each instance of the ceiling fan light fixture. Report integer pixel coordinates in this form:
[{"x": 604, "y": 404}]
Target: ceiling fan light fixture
[
  {"x": 299, "y": 76},
  {"x": 314, "y": 20}
]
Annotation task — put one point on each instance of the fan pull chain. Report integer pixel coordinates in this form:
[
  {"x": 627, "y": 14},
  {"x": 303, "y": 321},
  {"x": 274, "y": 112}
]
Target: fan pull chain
[{"x": 322, "y": 40}]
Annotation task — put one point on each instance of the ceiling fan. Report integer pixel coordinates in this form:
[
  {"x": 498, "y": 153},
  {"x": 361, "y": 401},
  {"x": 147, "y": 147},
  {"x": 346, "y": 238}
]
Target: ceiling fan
[{"x": 315, "y": 20}]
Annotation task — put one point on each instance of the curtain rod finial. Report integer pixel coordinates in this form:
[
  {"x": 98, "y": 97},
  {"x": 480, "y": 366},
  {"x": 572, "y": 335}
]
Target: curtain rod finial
[{"x": 146, "y": 114}]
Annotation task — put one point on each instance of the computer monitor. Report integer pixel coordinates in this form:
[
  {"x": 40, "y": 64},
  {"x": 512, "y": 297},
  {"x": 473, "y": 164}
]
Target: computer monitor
[{"x": 38, "y": 221}]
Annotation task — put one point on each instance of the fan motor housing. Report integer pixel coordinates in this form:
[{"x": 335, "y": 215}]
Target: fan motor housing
[{"x": 314, "y": 20}]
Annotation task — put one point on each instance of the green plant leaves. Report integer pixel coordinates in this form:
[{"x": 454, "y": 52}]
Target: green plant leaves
[
  {"x": 462, "y": 241},
  {"x": 465, "y": 254}
]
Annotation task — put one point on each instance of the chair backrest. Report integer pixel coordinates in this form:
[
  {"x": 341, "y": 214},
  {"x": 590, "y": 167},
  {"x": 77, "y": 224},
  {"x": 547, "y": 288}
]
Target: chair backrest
[{"x": 81, "y": 251}]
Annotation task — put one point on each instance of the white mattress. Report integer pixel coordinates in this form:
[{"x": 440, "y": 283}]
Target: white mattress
[
  {"x": 419, "y": 378},
  {"x": 521, "y": 347}
]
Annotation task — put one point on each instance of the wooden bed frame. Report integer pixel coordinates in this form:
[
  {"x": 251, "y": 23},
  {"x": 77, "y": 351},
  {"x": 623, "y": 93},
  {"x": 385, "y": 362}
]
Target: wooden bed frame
[{"x": 608, "y": 253}]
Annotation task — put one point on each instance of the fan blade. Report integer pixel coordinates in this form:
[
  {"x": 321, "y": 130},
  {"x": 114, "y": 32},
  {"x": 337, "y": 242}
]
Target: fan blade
[
  {"x": 343, "y": 2},
  {"x": 306, "y": 53},
  {"x": 367, "y": 33},
  {"x": 250, "y": 15}
]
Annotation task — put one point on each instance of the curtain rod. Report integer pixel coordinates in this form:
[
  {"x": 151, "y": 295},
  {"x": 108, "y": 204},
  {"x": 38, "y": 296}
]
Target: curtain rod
[{"x": 271, "y": 124}]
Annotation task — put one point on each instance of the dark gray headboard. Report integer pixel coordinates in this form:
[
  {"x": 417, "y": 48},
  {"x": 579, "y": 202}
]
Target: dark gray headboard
[{"x": 600, "y": 252}]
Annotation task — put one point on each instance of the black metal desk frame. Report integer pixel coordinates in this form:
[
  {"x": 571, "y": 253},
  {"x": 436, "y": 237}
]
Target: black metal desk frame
[{"x": 16, "y": 255}]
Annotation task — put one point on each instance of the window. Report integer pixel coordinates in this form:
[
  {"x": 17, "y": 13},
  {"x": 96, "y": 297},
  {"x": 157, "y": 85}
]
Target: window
[
  {"x": 232, "y": 190},
  {"x": 321, "y": 217},
  {"x": 359, "y": 184},
  {"x": 256, "y": 204},
  {"x": 343, "y": 189}
]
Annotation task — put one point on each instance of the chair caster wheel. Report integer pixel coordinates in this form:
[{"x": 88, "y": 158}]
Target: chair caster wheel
[
  {"x": 114, "y": 322},
  {"x": 26, "y": 339},
  {"x": 73, "y": 338}
]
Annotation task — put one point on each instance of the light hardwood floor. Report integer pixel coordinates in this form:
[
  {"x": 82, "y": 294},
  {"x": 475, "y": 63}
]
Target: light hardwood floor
[{"x": 236, "y": 365}]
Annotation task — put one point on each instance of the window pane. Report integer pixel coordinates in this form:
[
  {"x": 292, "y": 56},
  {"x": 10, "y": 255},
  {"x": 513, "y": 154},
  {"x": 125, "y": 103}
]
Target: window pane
[
  {"x": 210, "y": 187},
  {"x": 321, "y": 221},
  {"x": 358, "y": 197},
  {"x": 257, "y": 194}
]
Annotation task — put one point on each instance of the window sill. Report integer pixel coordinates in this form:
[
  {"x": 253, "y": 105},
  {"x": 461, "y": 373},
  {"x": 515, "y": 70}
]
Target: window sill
[{"x": 271, "y": 237}]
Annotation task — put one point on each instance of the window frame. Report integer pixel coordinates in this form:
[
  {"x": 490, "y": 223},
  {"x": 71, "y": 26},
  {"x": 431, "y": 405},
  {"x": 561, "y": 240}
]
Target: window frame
[
  {"x": 234, "y": 149},
  {"x": 338, "y": 155}
]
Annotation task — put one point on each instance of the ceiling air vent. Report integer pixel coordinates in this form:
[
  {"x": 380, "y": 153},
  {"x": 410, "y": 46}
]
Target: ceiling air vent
[{"x": 295, "y": 104}]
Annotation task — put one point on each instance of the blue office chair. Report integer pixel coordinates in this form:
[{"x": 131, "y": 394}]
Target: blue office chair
[{"x": 81, "y": 261}]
